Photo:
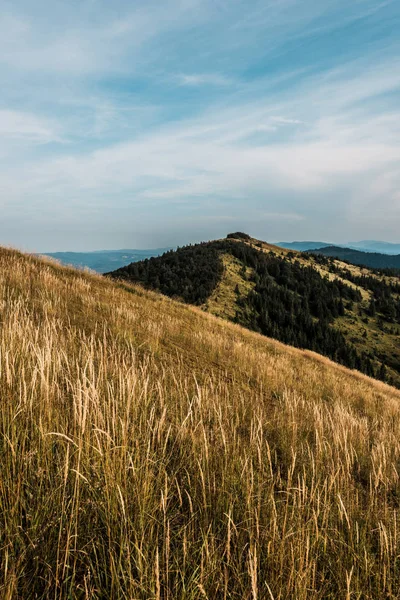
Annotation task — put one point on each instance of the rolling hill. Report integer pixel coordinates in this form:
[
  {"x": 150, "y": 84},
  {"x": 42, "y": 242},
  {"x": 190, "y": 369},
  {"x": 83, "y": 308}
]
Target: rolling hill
[
  {"x": 356, "y": 257},
  {"x": 151, "y": 450},
  {"x": 349, "y": 314}
]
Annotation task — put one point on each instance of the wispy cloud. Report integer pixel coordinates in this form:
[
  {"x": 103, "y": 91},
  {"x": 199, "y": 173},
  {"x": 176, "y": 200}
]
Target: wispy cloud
[
  {"x": 26, "y": 127},
  {"x": 203, "y": 79},
  {"x": 286, "y": 121},
  {"x": 282, "y": 114}
]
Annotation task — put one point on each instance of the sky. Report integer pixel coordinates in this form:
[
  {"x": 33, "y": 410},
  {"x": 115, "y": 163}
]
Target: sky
[{"x": 143, "y": 124}]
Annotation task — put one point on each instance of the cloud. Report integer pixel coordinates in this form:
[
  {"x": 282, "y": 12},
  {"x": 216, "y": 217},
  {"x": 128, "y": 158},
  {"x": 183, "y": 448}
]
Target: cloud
[
  {"x": 89, "y": 38},
  {"x": 26, "y": 127},
  {"x": 286, "y": 121},
  {"x": 149, "y": 113},
  {"x": 278, "y": 216},
  {"x": 203, "y": 79}
]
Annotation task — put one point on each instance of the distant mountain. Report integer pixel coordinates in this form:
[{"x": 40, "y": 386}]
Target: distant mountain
[
  {"x": 302, "y": 246},
  {"x": 306, "y": 300},
  {"x": 363, "y": 246},
  {"x": 375, "y": 246},
  {"x": 356, "y": 257},
  {"x": 104, "y": 260}
]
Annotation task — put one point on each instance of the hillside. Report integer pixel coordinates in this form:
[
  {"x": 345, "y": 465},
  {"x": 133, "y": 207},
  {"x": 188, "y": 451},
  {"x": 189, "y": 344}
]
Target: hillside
[
  {"x": 356, "y": 257},
  {"x": 151, "y": 450},
  {"x": 349, "y": 314}
]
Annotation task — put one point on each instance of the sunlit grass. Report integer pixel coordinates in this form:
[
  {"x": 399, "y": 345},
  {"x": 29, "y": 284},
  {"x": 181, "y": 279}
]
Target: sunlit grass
[{"x": 151, "y": 451}]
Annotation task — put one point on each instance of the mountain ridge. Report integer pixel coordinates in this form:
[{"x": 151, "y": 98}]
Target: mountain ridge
[{"x": 310, "y": 301}]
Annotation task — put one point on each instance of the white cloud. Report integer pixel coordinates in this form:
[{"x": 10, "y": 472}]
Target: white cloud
[
  {"x": 26, "y": 127},
  {"x": 286, "y": 121},
  {"x": 210, "y": 155},
  {"x": 111, "y": 80},
  {"x": 203, "y": 79},
  {"x": 91, "y": 38}
]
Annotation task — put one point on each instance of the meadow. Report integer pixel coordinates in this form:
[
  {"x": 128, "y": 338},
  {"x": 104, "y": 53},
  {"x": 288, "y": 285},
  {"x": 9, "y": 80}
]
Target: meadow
[{"x": 149, "y": 450}]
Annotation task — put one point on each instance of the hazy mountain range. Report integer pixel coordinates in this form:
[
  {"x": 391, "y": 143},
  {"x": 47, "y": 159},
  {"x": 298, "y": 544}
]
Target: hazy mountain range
[
  {"x": 104, "y": 260},
  {"x": 375, "y": 260},
  {"x": 363, "y": 246}
]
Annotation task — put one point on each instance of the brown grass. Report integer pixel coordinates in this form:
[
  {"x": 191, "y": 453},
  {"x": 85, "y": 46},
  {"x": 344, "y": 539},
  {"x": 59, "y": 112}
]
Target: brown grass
[{"x": 151, "y": 451}]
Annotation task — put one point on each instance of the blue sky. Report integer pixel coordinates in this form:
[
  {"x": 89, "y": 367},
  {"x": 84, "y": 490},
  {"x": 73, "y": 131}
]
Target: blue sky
[{"x": 150, "y": 124}]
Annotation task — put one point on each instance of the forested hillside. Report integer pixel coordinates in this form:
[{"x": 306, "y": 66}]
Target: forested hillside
[{"x": 302, "y": 300}]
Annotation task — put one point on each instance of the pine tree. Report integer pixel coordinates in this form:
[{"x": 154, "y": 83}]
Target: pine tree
[{"x": 382, "y": 372}]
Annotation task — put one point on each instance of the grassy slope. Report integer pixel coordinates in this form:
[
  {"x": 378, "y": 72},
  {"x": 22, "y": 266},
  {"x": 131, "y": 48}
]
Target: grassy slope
[
  {"x": 223, "y": 301},
  {"x": 150, "y": 450}
]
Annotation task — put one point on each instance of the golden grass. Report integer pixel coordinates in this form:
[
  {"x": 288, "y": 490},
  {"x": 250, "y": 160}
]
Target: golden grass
[
  {"x": 223, "y": 300},
  {"x": 152, "y": 451}
]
